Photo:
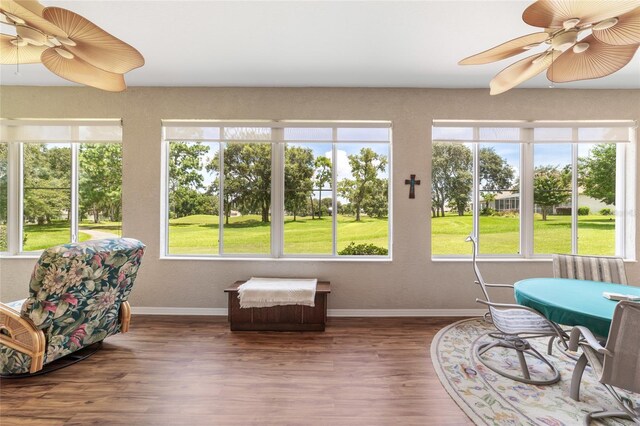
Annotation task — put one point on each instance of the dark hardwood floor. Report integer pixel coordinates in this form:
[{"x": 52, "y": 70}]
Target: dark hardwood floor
[{"x": 171, "y": 370}]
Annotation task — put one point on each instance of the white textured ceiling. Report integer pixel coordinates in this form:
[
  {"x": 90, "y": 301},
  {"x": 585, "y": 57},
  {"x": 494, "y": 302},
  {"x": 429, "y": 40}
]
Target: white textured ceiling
[{"x": 310, "y": 43}]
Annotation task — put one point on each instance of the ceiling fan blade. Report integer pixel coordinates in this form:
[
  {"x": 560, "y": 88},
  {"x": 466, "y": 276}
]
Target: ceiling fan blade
[
  {"x": 79, "y": 71},
  {"x": 519, "y": 72},
  {"x": 506, "y": 50},
  {"x": 32, "y": 5},
  {"x": 30, "y": 18},
  {"x": 93, "y": 44},
  {"x": 553, "y": 13},
  {"x": 626, "y": 31},
  {"x": 11, "y": 54},
  {"x": 599, "y": 60}
]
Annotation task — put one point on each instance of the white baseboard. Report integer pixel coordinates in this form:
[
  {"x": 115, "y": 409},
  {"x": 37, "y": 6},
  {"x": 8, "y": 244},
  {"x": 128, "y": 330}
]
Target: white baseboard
[
  {"x": 142, "y": 310},
  {"x": 406, "y": 312},
  {"x": 152, "y": 310}
]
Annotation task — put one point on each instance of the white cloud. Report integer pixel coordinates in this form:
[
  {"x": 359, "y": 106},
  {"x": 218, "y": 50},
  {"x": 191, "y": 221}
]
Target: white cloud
[{"x": 343, "y": 169}]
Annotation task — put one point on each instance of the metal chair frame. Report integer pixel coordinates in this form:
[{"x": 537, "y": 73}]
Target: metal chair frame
[
  {"x": 602, "y": 355},
  {"x": 515, "y": 339}
]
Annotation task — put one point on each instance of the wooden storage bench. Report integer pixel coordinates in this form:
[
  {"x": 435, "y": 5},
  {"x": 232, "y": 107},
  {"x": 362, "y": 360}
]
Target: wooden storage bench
[{"x": 279, "y": 318}]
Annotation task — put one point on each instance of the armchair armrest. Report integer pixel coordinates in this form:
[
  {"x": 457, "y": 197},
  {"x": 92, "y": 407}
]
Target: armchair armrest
[
  {"x": 21, "y": 334},
  {"x": 496, "y": 285},
  {"x": 591, "y": 340},
  {"x": 499, "y": 285}
]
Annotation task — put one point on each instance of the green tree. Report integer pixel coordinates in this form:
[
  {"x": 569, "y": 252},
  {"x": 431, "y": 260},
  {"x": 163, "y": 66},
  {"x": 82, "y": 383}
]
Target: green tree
[
  {"x": 186, "y": 180},
  {"x": 551, "y": 186},
  {"x": 597, "y": 173},
  {"x": 47, "y": 180},
  {"x": 100, "y": 183},
  {"x": 247, "y": 178},
  {"x": 495, "y": 173},
  {"x": 365, "y": 183},
  {"x": 451, "y": 177},
  {"x": 322, "y": 177},
  {"x": 298, "y": 174},
  {"x": 377, "y": 203}
]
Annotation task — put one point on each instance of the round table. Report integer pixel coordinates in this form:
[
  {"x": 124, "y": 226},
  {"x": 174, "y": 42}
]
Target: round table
[{"x": 572, "y": 302}]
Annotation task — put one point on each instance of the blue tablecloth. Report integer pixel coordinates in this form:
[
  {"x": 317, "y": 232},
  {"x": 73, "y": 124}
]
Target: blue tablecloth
[{"x": 572, "y": 302}]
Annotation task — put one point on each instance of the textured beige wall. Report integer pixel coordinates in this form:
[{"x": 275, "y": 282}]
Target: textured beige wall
[{"x": 410, "y": 281}]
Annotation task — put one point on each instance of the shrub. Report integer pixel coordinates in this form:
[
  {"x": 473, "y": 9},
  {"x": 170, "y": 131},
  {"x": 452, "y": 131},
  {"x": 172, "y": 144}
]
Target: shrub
[
  {"x": 583, "y": 211},
  {"x": 606, "y": 211},
  {"x": 354, "y": 249},
  {"x": 487, "y": 211}
]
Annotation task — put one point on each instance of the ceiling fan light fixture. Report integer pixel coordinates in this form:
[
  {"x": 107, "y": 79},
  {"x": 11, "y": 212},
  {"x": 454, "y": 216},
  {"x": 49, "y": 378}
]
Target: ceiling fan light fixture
[
  {"x": 31, "y": 35},
  {"x": 64, "y": 53},
  {"x": 564, "y": 40},
  {"x": 19, "y": 42},
  {"x": 580, "y": 47},
  {"x": 606, "y": 24},
  {"x": 570, "y": 23}
]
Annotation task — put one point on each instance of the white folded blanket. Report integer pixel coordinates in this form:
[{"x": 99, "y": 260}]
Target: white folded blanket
[{"x": 266, "y": 292}]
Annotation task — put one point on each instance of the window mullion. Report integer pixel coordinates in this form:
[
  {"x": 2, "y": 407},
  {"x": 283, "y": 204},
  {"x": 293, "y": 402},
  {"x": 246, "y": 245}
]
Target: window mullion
[
  {"x": 73, "y": 186},
  {"x": 574, "y": 193},
  {"x": 221, "y": 199},
  {"x": 14, "y": 197},
  {"x": 476, "y": 187},
  {"x": 621, "y": 214},
  {"x": 334, "y": 192},
  {"x": 527, "y": 205},
  {"x": 277, "y": 192}
]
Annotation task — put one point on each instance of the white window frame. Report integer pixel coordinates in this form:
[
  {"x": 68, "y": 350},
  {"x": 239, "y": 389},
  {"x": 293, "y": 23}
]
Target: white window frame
[
  {"x": 278, "y": 144},
  {"x": 626, "y": 154},
  {"x": 10, "y": 134}
]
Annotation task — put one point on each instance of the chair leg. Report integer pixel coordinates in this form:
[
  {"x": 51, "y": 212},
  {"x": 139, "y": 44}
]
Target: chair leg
[
  {"x": 574, "y": 390},
  {"x": 550, "y": 345},
  {"x": 604, "y": 414},
  {"x": 523, "y": 365},
  {"x": 521, "y": 348}
]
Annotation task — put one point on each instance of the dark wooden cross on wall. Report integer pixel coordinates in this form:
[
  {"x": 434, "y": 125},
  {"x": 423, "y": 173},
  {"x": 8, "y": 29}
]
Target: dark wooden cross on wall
[{"x": 412, "y": 188}]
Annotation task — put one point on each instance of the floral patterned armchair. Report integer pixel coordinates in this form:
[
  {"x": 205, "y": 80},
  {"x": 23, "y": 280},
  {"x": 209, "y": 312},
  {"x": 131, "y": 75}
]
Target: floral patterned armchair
[{"x": 77, "y": 296}]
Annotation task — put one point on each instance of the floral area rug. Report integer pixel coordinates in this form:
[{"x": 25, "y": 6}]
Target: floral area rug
[{"x": 491, "y": 399}]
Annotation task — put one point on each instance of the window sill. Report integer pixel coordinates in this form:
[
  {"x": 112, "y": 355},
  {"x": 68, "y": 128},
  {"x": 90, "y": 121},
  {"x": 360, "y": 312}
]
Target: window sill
[
  {"x": 280, "y": 259},
  {"x": 20, "y": 256}
]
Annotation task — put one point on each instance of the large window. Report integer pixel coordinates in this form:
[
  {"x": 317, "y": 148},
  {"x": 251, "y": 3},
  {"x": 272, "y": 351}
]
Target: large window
[
  {"x": 277, "y": 189},
  {"x": 530, "y": 189},
  {"x": 60, "y": 182}
]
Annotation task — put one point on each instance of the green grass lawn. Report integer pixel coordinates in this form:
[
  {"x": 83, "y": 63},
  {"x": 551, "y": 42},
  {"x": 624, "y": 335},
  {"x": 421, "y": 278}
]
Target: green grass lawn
[
  {"x": 500, "y": 235},
  {"x": 40, "y": 237},
  {"x": 198, "y": 234}
]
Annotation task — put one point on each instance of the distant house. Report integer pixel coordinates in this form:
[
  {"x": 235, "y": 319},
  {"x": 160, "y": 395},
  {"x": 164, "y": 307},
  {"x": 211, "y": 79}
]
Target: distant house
[{"x": 510, "y": 201}]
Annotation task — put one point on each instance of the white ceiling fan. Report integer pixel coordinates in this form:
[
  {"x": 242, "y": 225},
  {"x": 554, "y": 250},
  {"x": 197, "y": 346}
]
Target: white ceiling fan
[{"x": 582, "y": 39}]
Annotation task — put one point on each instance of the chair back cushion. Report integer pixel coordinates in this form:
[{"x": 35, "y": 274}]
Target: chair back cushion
[
  {"x": 622, "y": 369},
  {"x": 593, "y": 268},
  {"x": 76, "y": 291}
]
